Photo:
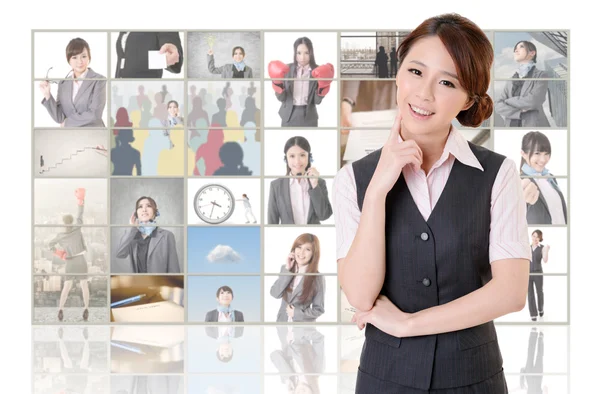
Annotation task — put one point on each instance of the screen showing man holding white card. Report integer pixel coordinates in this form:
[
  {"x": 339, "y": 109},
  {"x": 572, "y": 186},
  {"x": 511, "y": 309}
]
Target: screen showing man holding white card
[{"x": 146, "y": 54}]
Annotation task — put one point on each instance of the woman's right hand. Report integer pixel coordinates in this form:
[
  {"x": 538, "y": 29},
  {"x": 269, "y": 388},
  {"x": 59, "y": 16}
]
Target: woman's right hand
[
  {"x": 210, "y": 52},
  {"x": 291, "y": 259},
  {"x": 394, "y": 156},
  {"x": 530, "y": 191},
  {"x": 45, "y": 89},
  {"x": 133, "y": 219}
]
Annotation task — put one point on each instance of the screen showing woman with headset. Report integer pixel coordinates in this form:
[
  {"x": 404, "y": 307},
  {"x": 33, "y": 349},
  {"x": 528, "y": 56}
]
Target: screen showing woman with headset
[{"x": 300, "y": 198}]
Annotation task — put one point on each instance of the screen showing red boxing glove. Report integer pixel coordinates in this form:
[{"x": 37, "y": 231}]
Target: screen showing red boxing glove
[
  {"x": 277, "y": 69},
  {"x": 324, "y": 71}
]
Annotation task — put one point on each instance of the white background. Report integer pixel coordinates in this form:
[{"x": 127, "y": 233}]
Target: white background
[
  {"x": 514, "y": 342},
  {"x": 556, "y": 237},
  {"x": 320, "y": 142},
  {"x": 555, "y": 303},
  {"x": 273, "y": 384},
  {"x": 327, "y": 110},
  {"x": 280, "y": 46},
  {"x": 281, "y": 239},
  {"x": 330, "y": 346},
  {"x": 237, "y": 186},
  {"x": 16, "y": 161},
  {"x": 41, "y": 116},
  {"x": 158, "y": 26},
  {"x": 508, "y": 143},
  {"x": 50, "y": 51},
  {"x": 328, "y": 182},
  {"x": 272, "y": 304}
]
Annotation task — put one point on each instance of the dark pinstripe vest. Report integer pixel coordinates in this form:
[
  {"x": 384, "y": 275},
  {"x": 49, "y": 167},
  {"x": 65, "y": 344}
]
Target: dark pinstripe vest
[{"x": 431, "y": 263}]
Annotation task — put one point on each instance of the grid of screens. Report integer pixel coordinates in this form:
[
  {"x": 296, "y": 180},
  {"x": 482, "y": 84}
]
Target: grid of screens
[{"x": 229, "y": 142}]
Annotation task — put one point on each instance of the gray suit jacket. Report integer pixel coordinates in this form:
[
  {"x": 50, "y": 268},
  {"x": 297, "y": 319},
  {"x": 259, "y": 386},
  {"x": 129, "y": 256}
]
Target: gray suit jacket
[
  {"x": 213, "y": 316},
  {"x": 307, "y": 312},
  {"x": 162, "y": 252},
  {"x": 71, "y": 240},
  {"x": 532, "y": 97},
  {"x": 86, "y": 110},
  {"x": 225, "y": 70},
  {"x": 280, "y": 203},
  {"x": 287, "y": 97}
]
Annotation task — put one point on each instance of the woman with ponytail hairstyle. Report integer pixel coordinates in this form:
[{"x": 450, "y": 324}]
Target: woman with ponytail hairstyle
[{"x": 432, "y": 240}]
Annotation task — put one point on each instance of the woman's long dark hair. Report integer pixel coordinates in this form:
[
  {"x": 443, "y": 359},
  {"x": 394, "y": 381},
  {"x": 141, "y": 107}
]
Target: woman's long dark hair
[
  {"x": 306, "y": 41},
  {"x": 296, "y": 141},
  {"x": 532, "y": 142},
  {"x": 308, "y": 283}
]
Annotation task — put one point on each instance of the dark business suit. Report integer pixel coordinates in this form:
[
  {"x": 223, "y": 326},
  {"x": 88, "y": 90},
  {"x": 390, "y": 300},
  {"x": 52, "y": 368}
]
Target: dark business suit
[
  {"x": 537, "y": 281},
  {"x": 136, "y": 53},
  {"x": 87, "y": 108},
  {"x": 280, "y": 203},
  {"x": 286, "y": 97},
  {"x": 213, "y": 316},
  {"x": 162, "y": 252},
  {"x": 430, "y": 263},
  {"x": 539, "y": 213}
]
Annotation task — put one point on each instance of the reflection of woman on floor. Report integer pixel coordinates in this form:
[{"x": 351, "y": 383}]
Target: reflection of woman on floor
[
  {"x": 520, "y": 103},
  {"x": 301, "y": 356},
  {"x": 76, "y": 378},
  {"x": 72, "y": 250},
  {"x": 539, "y": 252},
  {"x": 545, "y": 201}
]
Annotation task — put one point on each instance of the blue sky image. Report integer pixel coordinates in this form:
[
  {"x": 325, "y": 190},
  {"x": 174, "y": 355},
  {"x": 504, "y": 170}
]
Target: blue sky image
[
  {"x": 202, "y": 293},
  {"x": 202, "y": 357},
  {"x": 223, "y": 249}
]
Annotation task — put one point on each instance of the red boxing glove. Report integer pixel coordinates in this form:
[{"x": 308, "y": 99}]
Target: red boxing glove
[
  {"x": 323, "y": 71},
  {"x": 61, "y": 253},
  {"x": 80, "y": 195},
  {"x": 277, "y": 69}
]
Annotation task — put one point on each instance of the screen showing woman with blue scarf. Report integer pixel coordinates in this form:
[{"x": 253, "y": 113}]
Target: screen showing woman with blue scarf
[
  {"x": 151, "y": 249},
  {"x": 545, "y": 201},
  {"x": 224, "y": 311},
  {"x": 237, "y": 69}
]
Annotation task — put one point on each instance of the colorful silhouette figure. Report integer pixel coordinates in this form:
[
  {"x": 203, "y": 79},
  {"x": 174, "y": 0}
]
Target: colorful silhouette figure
[
  {"x": 232, "y": 157},
  {"x": 156, "y": 142},
  {"x": 251, "y": 149},
  {"x": 219, "y": 119},
  {"x": 124, "y": 157},
  {"x": 210, "y": 151}
]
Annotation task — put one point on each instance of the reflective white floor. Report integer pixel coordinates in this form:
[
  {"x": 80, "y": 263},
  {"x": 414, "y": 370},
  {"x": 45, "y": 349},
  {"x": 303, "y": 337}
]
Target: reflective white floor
[{"x": 252, "y": 359}]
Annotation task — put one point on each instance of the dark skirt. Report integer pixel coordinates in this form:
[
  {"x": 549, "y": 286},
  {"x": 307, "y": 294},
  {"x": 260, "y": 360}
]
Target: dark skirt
[
  {"x": 298, "y": 118},
  {"x": 76, "y": 265},
  {"x": 368, "y": 384}
]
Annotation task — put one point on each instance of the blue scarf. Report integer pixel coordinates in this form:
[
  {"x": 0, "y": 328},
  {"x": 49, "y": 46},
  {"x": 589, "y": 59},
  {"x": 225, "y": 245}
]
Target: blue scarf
[
  {"x": 524, "y": 69},
  {"x": 147, "y": 230},
  {"x": 528, "y": 170},
  {"x": 227, "y": 309},
  {"x": 239, "y": 65}
]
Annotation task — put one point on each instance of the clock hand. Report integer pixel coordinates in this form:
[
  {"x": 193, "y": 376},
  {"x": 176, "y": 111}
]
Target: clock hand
[
  {"x": 211, "y": 211},
  {"x": 217, "y": 204}
]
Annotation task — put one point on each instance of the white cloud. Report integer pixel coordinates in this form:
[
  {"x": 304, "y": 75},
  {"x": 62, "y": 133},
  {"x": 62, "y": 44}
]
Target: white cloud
[{"x": 223, "y": 254}]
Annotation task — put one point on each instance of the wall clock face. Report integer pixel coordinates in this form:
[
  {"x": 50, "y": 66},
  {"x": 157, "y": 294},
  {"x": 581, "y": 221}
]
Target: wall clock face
[{"x": 214, "y": 203}]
